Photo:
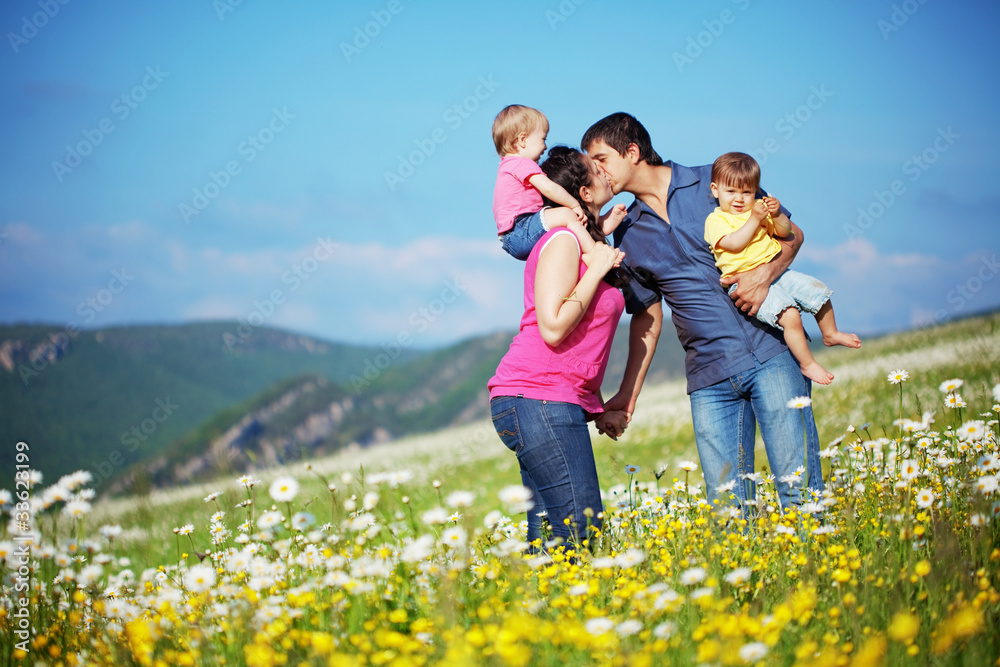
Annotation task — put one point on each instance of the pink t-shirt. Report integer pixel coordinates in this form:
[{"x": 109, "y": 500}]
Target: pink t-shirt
[
  {"x": 513, "y": 195},
  {"x": 571, "y": 372}
]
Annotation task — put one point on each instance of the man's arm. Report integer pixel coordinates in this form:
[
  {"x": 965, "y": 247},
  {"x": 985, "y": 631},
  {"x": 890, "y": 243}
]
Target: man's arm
[
  {"x": 753, "y": 284},
  {"x": 644, "y": 332}
]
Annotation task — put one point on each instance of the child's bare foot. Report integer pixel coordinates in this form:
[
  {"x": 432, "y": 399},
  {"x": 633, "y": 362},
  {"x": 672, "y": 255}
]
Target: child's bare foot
[
  {"x": 841, "y": 338},
  {"x": 817, "y": 373}
]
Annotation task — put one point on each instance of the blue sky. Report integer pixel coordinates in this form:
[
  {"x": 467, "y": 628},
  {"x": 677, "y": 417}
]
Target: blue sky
[{"x": 328, "y": 167}]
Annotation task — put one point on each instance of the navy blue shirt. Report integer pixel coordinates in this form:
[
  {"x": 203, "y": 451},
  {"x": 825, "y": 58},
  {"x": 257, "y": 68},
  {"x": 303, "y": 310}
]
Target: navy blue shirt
[{"x": 673, "y": 262}]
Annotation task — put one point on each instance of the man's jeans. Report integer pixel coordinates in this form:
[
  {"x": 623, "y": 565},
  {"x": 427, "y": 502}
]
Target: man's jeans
[
  {"x": 552, "y": 444},
  {"x": 725, "y": 416}
]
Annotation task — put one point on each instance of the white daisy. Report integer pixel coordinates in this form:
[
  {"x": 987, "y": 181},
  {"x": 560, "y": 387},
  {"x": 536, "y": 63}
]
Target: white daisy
[
  {"x": 897, "y": 376},
  {"x": 693, "y": 576},
  {"x": 949, "y": 386},
  {"x": 753, "y": 652},
  {"x": 199, "y": 578},
  {"x": 599, "y": 625},
  {"x": 689, "y": 466},
  {"x": 284, "y": 489},
  {"x": 738, "y": 576},
  {"x": 458, "y": 499},
  {"x": 925, "y": 498},
  {"x": 799, "y": 403}
]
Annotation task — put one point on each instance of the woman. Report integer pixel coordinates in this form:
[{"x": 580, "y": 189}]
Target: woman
[{"x": 547, "y": 386}]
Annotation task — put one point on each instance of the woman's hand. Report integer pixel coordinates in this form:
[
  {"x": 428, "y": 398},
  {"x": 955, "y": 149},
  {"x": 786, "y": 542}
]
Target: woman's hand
[
  {"x": 612, "y": 423},
  {"x": 603, "y": 258}
]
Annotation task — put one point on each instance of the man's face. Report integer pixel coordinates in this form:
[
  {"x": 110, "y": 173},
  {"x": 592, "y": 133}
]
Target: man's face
[{"x": 617, "y": 167}]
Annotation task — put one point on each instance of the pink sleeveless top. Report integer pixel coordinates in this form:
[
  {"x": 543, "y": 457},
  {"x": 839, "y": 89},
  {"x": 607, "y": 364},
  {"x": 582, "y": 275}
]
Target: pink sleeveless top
[{"x": 571, "y": 372}]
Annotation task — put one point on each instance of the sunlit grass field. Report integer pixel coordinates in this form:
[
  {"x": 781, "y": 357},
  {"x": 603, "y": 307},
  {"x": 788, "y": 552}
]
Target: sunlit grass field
[{"x": 412, "y": 553}]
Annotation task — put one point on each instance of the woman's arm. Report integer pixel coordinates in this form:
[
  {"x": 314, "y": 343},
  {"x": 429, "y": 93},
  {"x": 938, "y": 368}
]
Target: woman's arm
[{"x": 561, "y": 299}]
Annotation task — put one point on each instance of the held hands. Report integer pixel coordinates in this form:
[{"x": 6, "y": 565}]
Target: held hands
[
  {"x": 613, "y": 423},
  {"x": 580, "y": 216}
]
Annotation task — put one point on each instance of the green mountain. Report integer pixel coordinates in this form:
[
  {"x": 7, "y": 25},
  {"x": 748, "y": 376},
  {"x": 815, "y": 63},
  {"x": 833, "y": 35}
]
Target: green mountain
[{"x": 186, "y": 401}]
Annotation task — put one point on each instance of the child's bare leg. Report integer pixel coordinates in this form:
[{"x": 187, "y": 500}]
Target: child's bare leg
[
  {"x": 564, "y": 217},
  {"x": 795, "y": 338},
  {"x": 828, "y": 327}
]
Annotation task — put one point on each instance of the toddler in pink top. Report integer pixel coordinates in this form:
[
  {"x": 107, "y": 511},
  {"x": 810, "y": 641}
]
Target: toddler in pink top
[{"x": 519, "y": 135}]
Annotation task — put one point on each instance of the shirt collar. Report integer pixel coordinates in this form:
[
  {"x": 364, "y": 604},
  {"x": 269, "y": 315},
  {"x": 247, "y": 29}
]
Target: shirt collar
[{"x": 680, "y": 177}]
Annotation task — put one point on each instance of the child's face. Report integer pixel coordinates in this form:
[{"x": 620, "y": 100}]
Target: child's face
[
  {"x": 734, "y": 198},
  {"x": 534, "y": 144}
]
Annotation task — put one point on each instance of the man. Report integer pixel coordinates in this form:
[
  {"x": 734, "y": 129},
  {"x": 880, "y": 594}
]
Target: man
[{"x": 739, "y": 371}]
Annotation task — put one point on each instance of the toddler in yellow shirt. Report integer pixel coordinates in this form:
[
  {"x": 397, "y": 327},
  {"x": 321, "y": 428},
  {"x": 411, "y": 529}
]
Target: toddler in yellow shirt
[{"x": 741, "y": 234}]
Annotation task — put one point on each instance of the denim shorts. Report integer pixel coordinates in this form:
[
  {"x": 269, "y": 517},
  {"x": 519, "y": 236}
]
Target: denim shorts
[
  {"x": 527, "y": 229},
  {"x": 791, "y": 289}
]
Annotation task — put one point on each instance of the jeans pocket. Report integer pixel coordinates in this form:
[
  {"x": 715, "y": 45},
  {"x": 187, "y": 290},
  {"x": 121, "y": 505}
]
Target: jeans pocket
[{"x": 507, "y": 428}]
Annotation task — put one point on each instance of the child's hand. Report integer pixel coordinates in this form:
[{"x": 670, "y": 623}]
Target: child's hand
[
  {"x": 759, "y": 211},
  {"x": 772, "y": 204},
  {"x": 578, "y": 210}
]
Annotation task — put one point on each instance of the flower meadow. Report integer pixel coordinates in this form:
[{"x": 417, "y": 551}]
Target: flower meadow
[{"x": 896, "y": 561}]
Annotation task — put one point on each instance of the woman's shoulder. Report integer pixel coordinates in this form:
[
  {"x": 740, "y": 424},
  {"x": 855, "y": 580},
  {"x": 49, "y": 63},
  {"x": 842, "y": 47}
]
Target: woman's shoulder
[{"x": 557, "y": 238}]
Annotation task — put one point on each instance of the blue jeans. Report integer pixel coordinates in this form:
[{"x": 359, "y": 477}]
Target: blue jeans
[
  {"x": 552, "y": 444},
  {"x": 725, "y": 417}
]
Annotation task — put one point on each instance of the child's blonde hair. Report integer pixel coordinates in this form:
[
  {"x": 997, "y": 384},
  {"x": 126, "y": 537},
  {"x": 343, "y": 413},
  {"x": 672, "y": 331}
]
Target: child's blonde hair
[{"x": 513, "y": 121}]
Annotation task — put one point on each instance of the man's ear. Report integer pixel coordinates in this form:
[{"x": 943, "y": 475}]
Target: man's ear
[{"x": 633, "y": 153}]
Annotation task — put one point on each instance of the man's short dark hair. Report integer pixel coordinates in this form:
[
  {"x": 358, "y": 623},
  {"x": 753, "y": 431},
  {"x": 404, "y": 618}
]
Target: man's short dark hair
[{"x": 618, "y": 131}]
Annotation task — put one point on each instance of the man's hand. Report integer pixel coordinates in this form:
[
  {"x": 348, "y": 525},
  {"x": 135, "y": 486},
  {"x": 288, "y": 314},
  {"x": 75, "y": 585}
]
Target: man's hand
[{"x": 752, "y": 288}]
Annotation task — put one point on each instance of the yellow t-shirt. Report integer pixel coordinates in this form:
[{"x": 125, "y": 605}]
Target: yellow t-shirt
[{"x": 761, "y": 249}]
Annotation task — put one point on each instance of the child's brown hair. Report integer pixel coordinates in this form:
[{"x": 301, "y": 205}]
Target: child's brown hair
[{"x": 736, "y": 169}]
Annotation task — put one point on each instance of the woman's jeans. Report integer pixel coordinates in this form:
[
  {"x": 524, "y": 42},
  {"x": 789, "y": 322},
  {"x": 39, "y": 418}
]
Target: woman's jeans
[{"x": 552, "y": 444}]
